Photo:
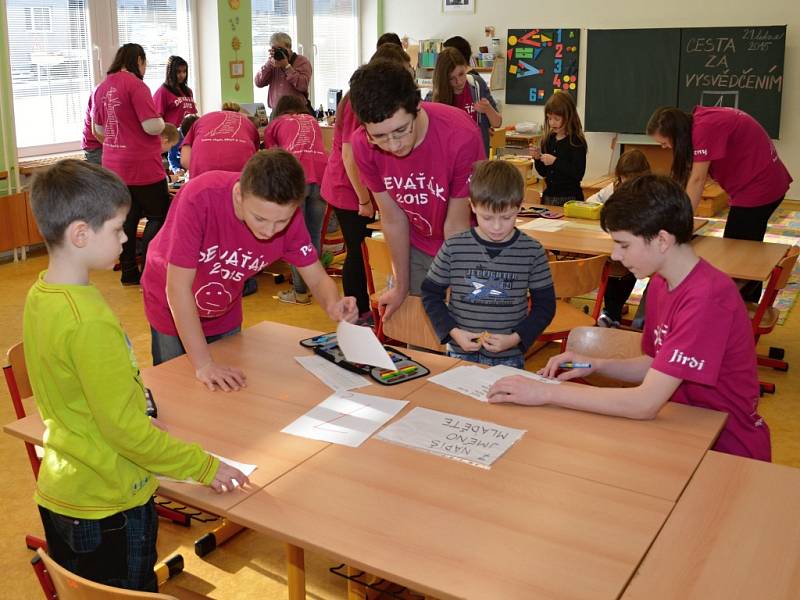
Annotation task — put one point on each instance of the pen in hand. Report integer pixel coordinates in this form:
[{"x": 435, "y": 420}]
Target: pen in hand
[{"x": 575, "y": 365}]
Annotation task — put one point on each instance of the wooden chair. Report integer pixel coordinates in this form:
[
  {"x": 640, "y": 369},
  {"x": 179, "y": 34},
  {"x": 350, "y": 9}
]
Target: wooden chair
[
  {"x": 330, "y": 241},
  {"x": 378, "y": 268},
  {"x": 60, "y": 584},
  {"x": 410, "y": 324},
  {"x": 497, "y": 143},
  {"x": 575, "y": 277},
  {"x": 764, "y": 315},
  {"x": 602, "y": 342}
]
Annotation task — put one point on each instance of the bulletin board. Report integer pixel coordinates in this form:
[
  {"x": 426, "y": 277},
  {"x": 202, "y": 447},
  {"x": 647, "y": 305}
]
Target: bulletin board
[{"x": 541, "y": 61}]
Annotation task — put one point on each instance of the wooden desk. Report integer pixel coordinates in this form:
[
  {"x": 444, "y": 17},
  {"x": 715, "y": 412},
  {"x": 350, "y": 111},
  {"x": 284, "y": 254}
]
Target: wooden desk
[
  {"x": 741, "y": 259},
  {"x": 735, "y": 533}
]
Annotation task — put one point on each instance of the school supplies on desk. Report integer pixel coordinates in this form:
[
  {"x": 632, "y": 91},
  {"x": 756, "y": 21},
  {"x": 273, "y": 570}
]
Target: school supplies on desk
[
  {"x": 361, "y": 345},
  {"x": 539, "y": 212},
  {"x": 582, "y": 210},
  {"x": 476, "y": 381},
  {"x": 404, "y": 368}
]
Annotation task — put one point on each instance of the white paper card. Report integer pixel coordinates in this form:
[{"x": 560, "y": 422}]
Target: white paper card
[
  {"x": 543, "y": 225},
  {"x": 334, "y": 376},
  {"x": 476, "y": 442},
  {"x": 243, "y": 467},
  {"x": 346, "y": 418},
  {"x": 359, "y": 345},
  {"x": 475, "y": 381}
]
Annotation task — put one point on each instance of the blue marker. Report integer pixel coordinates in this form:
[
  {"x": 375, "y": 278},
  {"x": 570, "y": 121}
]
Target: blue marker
[
  {"x": 321, "y": 339},
  {"x": 575, "y": 365}
]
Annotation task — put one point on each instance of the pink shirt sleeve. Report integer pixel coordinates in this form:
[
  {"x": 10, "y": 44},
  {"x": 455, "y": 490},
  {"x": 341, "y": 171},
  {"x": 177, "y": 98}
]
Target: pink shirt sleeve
[{"x": 298, "y": 249}]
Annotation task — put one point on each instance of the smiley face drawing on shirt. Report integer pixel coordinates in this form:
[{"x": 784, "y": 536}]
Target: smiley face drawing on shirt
[{"x": 212, "y": 299}]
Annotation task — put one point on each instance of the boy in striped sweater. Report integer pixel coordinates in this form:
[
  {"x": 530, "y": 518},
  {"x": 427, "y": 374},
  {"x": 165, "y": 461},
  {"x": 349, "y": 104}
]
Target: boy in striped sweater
[{"x": 491, "y": 270}]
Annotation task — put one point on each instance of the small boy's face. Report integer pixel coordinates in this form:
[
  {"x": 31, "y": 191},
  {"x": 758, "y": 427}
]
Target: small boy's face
[
  {"x": 640, "y": 257},
  {"x": 104, "y": 245},
  {"x": 165, "y": 145},
  {"x": 264, "y": 218},
  {"x": 495, "y": 226}
]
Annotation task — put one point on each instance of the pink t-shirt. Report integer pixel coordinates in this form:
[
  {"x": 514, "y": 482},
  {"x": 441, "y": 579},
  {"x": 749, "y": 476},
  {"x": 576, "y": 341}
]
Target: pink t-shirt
[
  {"x": 743, "y": 158},
  {"x": 121, "y": 103},
  {"x": 173, "y": 108},
  {"x": 202, "y": 232},
  {"x": 699, "y": 332},
  {"x": 89, "y": 142},
  {"x": 302, "y": 136},
  {"x": 222, "y": 141},
  {"x": 423, "y": 182},
  {"x": 336, "y": 187},
  {"x": 464, "y": 102}
]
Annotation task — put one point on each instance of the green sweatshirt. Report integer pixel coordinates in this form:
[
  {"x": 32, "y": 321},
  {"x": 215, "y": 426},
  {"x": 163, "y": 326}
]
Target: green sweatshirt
[{"x": 100, "y": 449}]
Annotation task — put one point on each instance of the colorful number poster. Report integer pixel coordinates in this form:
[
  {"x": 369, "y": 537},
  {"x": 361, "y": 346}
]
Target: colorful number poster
[{"x": 541, "y": 61}]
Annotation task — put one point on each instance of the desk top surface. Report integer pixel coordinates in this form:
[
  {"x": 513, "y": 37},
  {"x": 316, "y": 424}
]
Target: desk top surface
[
  {"x": 742, "y": 259},
  {"x": 734, "y": 534}
]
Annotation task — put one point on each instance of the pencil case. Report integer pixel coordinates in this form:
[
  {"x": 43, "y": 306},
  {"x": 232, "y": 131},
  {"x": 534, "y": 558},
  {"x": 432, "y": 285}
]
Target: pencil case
[{"x": 582, "y": 210}]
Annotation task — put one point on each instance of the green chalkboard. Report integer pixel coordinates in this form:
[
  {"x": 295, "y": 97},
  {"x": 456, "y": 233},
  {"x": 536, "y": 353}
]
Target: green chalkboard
[
  {"x": 739, "y": 67},
  {"x": 629, "y": 73}
]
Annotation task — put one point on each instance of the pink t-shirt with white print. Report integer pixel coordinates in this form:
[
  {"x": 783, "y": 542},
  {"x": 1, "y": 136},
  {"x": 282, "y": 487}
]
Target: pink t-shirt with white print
[
  {"x": 121, "y": 103},
  {"x": 222, "y": 141},
  {"x": 300, "y": 135},
  {"x": 336, "y": 187},
  {"x": 202, "y": 232},
  {"x": 699, "y": 332},
  {"x": 174, "y": 108},
  {"x": 423, "y": 182}
]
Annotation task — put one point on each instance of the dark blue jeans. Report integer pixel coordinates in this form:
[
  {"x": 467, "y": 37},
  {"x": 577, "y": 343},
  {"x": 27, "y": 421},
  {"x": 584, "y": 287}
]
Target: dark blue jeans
[
  {"x": 166, "y": 347},
  {"x": 119, "y": 550},
  {"x": 517, "y": 361}
]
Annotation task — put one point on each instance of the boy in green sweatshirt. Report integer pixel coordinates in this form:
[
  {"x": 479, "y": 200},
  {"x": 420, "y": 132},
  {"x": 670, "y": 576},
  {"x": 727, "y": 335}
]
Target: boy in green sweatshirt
[{"x": 96, "y": 484}]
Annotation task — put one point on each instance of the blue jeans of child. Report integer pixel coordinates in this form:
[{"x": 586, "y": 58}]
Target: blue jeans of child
[
  {"x": 517, "y": 361},
  {"x": 166, "y": 347},
  {"x": 313, "y": 209},
  {"x": 119, "y": 550}
]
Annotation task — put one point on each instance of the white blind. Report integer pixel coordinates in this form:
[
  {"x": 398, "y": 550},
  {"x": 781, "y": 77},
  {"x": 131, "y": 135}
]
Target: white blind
[
  {"x": 51, "y": 75},
  {"x": 162, "y": 28},
  {"x": 335, "y": 46},
  {"x": 270, "y": 16}
]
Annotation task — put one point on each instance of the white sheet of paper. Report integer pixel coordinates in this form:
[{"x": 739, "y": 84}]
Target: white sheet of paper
[
  {"x": 346, "y": 418},
  {"x": 475, "y": 442},
  {"x": 243, "y": 467},
  {"x": 334, "y": 376},
  {"x": 360, "y": 345},
  {"x": 475, "y": 381},
  {"x": 543, "y": 225},
  {"x": 588, "y": 226}
]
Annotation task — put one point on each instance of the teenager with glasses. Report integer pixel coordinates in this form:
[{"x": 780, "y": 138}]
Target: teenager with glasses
[{"x": 416, "y": 160}]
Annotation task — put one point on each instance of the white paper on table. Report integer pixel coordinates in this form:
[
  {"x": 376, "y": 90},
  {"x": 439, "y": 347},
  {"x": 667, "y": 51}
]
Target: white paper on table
[
  {"x": 475, "y": 381},
  {"x": 475, "y": 442},
  {"x": 346, "y": 418},
  {"x": 332, "y": 375},
  {"x": 543, "y": 225},
  {"x": 243, "y": 467},
  {"x": 588, "y": 226},
  {"x": 359, "y": 345}
]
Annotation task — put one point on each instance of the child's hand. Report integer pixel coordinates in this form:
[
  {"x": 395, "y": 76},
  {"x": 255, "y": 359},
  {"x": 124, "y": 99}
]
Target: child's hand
[
  {"x": 345, "y": 309},
  {"x": 536, "y": 152},
  {"x": 468, "y": 341},
  {"x": 518, "y": 390},
  {"x": 498, "y": 342},
  {"x": 548, "y": 159},
  {"x": 228, "y": 478},
  {"x": 552, "y": 368},
  {"x": 482, "y": 106},
  {"x": 228, "y": 379}
]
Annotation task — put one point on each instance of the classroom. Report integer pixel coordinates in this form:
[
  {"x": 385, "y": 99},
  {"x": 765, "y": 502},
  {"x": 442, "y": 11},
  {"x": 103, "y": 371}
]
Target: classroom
[{"x": 293, "y": 328}]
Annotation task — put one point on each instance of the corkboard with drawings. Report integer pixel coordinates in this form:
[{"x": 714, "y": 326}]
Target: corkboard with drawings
[{"x": 540, "y": 61}]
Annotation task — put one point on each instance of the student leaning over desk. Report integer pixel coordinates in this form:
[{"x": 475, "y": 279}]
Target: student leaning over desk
[
  {"x": 697, "y": 343},
  {"x": 96, "y": 483}
]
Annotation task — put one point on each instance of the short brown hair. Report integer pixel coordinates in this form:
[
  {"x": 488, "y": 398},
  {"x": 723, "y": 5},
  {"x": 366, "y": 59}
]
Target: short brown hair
[
  {"x": 75, "y": 190},
  {"x": 275, "y": 176},
  {"x": 170, "y": 133},
  {"x": 631, "y": 164},
  {"x": 496, "y": 185}
]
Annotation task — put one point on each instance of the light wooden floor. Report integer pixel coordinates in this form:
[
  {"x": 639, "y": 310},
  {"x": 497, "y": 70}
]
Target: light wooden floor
[{"x": 250, "y": 565}]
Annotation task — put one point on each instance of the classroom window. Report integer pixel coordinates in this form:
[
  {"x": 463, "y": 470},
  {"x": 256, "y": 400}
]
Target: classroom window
[
  {"x": 51, "y": 71},
  {"x": 335, "y": 46}
]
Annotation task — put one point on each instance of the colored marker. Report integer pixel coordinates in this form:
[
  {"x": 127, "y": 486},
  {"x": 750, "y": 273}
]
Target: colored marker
[
  {"x": 575, "y": 365},
  {"x": 399, "y": 372},
  {"x": 321, "y": 339}
]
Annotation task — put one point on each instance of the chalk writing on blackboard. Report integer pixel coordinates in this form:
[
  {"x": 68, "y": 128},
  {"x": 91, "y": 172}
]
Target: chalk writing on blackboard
[{"x": 539, "y": 62}]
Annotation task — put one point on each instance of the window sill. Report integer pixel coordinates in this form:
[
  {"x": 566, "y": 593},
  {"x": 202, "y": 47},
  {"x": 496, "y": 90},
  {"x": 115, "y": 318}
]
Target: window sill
[{"x": 31, "y": 164}]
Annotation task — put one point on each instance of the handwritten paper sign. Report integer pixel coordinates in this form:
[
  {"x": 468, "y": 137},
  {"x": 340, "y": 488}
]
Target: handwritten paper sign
[
  {"x": 475, "y": 442},
  {"x": 476, "y": 381}
]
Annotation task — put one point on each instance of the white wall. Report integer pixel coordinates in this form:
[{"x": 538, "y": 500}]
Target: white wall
[
  {"x": 207, "y": 47},
  {"x": 423, "y": 19}
]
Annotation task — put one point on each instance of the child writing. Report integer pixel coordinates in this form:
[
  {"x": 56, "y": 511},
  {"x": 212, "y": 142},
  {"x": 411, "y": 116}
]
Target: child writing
[
  {"x": 561, "y": 158},
  {"x": 297, "y": 132},
  {"x": 95, "y": 486},
  {"x": 490, "y": 271},
  {"x": 631, "y": 164},
  {"x": 223, "y": 228},
  {"x": 697, "y": 343}
]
